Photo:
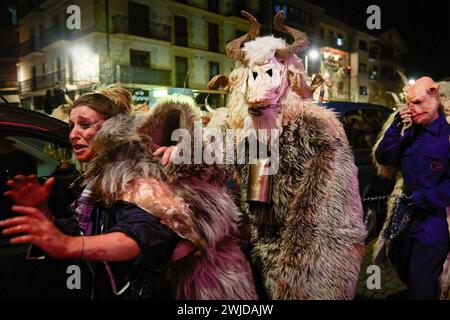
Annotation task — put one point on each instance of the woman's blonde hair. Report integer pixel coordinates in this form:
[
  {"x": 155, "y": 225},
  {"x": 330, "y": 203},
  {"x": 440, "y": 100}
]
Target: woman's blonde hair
[{"x": 109, "y": 102}]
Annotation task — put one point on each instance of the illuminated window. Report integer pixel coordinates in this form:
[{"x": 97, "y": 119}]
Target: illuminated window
[
  {"x": 278, "y": 8},
  {"x": 340, "y": 40},
  {"x": 373, "y": 74}
]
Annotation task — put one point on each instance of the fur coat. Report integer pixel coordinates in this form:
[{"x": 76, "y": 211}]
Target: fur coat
[
  {"x": 309, "y": 242},
  {"x": 190, "y": 199},
  {"x": 380, "y": 252}
]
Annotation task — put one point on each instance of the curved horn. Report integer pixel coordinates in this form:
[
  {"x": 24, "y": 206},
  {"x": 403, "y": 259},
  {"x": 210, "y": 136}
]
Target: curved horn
[
  {"x": 318, "y": 81},
  {"x": 220, "y": 81},
  {"x": 300, "y": 38},
  {"x": 403, "y": 77},
  {"x": 234, "y": 47},
  {"x": 394, "y": 96}
]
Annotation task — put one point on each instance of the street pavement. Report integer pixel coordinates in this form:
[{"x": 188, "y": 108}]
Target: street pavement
[{"x": 391, "y": 286}]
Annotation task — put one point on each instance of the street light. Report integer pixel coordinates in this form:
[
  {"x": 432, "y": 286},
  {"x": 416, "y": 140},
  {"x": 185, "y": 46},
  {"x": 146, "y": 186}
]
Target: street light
[
  {"x": 411, "y": 82},
  {"x": 312, "y": 54},
  {"x": 85, "y": 63},
  {"x": 159, "y": 93}
]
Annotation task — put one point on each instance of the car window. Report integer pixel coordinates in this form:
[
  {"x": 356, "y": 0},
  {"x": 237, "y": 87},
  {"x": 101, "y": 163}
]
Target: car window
[
  {"x": 27, "y": 155},
  {"x": 363, "y": 126}
]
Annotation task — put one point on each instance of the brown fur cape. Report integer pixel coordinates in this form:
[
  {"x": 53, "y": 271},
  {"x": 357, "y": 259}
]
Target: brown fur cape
[
  {"x": 190, "y": 199},
  {"x": 309, "y": 242}
]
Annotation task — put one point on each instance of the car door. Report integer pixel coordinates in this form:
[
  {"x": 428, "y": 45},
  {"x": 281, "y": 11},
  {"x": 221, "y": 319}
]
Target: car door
[{"x": 23, "y": 152}]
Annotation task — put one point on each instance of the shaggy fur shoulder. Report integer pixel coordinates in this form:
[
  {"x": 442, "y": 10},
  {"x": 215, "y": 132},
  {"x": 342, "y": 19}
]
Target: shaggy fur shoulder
[
  {"x": 205, "y": 215},
  {"x": 180, "y": 112},
  {"x": 190, "y": 202},
  {"x": 260, "y": 50},
  {"x": 159, "y": 199},
  {"x": 382, "y": 170},
  {"x": 222, "y": 271},
  {"x": 326, "y": 121},
  {"x": 170, "y": 113}
]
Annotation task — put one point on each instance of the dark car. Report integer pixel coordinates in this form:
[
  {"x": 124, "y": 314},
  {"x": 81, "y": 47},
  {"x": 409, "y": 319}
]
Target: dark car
[
  {"x": 362, "y": 123},
  {"x": 33, "y": 143}
]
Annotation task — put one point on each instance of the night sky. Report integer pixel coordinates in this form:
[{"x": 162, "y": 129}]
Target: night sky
[{"x": 424, "y": 25}]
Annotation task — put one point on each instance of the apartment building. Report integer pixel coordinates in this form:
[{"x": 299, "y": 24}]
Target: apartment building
[
  {"x": 151, "y": 46},
  {"x": 9, "y": 90},
  {"x": 156, "y": 47},
  {"x": 361, "y": 66}
]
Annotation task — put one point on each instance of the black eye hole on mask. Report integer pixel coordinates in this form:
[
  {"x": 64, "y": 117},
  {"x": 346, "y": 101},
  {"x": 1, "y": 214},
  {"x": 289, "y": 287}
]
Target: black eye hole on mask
[
  {"x": 255, "y": 74},
  {"x": 269, "y": 72}
]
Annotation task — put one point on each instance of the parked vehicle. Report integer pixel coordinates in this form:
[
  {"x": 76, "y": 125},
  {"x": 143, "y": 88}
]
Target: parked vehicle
[
  {"x": 362, "y": 123},
  {"x": 34, "y": 143}
]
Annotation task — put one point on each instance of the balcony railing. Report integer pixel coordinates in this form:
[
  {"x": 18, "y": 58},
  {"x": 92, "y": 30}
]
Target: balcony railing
[
  {"x": 156, "y": 30},
  {"x": 42, "y": 82},
  {"x": 160, "y": 31},
  {"x": 132, "y": 74},
  {"x": 53, "y": 34},
  {"x": 48, "y": 37},
  {"x": 8, "y": 78},
  {"x": 120, "y": 23}
]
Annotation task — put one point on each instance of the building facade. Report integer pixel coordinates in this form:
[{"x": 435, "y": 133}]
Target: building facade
[
  {"x": 154, "y": 46},
  {"x": 362, "y": 67},
  {"x": 9, "y": 90},
  {"x": 151, "y": 45}
]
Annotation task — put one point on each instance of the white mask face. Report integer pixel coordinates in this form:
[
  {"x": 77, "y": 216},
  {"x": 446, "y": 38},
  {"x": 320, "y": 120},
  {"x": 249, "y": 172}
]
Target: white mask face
[{"x": 265, "y": 84}]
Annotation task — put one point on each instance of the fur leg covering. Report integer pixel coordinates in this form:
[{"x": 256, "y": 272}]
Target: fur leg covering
[{"x": 222, "y": 271}]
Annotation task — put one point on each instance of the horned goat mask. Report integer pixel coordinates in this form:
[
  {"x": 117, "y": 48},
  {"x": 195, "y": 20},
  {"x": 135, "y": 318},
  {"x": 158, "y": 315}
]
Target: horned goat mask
[{"x": 271, "y": 65}]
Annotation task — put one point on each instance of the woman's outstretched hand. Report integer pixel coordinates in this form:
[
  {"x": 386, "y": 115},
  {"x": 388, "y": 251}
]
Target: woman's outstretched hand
[
  {"x": 35, "y": 227},
  {"x": 27, "y": 191}
]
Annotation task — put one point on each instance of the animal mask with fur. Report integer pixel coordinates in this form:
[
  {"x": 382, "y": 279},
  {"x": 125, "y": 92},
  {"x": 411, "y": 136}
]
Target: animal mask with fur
[
  {"x": 269, "y": 78},
  {"x": 423, "y": 100}
]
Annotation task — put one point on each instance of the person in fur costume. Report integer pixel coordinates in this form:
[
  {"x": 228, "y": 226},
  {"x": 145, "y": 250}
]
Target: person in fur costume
[
  {"x": 307, "y": 240},
  {"x": 413, "y": 147},
  {"x": 190, "y": 199}
]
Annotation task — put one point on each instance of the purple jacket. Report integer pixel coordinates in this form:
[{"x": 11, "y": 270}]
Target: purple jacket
[{"x": 423, "y": 155}]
